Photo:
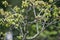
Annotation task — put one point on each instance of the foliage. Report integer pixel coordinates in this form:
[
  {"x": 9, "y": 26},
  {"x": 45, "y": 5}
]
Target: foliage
[{"x": 33, "y": 19}]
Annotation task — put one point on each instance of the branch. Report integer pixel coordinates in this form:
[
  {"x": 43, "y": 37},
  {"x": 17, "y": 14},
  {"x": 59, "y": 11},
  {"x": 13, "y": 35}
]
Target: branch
[
  {"x": 12, "y": 10},
  {"x": 24, "y": 37},
  {"x": 21, "y": 30},
  {"x": 53, "y": 22},
  {"x": 34, "y": 11},
  {"x": 40, "y": 11},
  {"x": 37, "y": 31},
  {"x": 34, "y": 21},
  {"x": 55, "y": 1},
  {"x": 43, "y": 28},
  {"x": 35, "y": 34}
]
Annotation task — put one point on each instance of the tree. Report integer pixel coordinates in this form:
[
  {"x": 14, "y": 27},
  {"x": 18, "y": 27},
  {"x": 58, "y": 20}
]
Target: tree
[{"x": 33, "y": 19}]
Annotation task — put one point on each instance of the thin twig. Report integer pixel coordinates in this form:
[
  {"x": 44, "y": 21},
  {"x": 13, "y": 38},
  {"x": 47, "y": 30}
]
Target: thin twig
[{"x": 12, "y": 10}]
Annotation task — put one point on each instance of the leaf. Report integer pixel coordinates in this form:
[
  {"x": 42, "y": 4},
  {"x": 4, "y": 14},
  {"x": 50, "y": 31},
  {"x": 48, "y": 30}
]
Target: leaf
[
  {"x": 5, "y": 3},
  {"x": 50, "y": 1}
]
